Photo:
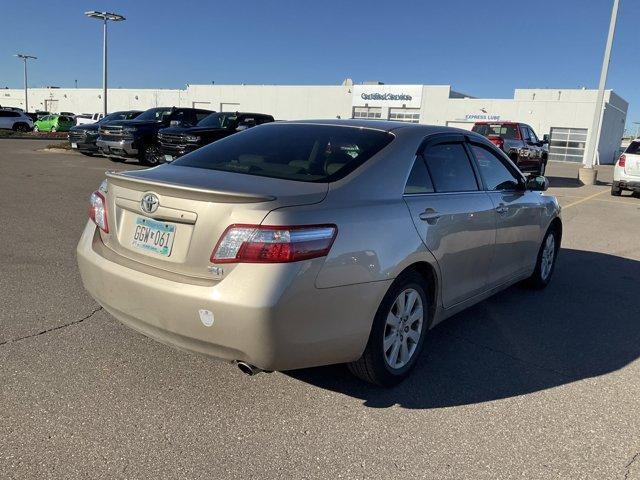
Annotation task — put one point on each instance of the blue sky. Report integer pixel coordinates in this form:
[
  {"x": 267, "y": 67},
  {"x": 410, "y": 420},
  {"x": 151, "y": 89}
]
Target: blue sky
[{"x": 485, "y": 49}]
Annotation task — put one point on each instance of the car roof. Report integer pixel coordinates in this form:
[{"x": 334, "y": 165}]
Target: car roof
[{"x": 389, "y": 126}]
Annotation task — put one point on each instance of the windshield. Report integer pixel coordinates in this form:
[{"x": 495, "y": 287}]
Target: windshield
[
  {"x": 119, "y": 116},
  {"x": 154, "y": 114},
  {"x": 509, "y": 131},
  {"x": 221, "y": 120},
  {"x": 302, "y": 152}
]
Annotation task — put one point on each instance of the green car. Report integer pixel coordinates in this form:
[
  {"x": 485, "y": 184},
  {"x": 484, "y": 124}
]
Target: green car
[{"x": 54, "y": 123}]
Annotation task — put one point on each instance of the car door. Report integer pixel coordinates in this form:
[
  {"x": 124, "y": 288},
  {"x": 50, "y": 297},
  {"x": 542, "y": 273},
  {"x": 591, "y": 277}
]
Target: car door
[
  {"x": 453, "y": 215},
  {"x": 518, "y": 214},
  {"x": 5, "y": 119}
]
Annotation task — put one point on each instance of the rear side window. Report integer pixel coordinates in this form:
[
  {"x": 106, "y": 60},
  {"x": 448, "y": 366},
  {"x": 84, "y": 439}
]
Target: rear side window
[
  {"x": 450, "y": 168},
  {"x": 419, "y": 180},
  {"x": 633, "y": 148},
  {"x": 507, "y": 131},
  {"x": 302, "y": 152}
]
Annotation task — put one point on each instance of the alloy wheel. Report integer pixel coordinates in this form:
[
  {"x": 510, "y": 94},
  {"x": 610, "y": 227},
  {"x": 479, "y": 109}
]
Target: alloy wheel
[
  {"x": 403, "y": 328},
  {"x": 548, "y": 256}
]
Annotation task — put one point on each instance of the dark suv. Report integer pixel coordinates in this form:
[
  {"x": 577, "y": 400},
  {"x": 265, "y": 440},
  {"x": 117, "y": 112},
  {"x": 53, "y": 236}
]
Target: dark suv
[
  {"x": 519, "y": 142},
  {"x": 176, "y": 141},
  {"x": 137, "y": 138}
]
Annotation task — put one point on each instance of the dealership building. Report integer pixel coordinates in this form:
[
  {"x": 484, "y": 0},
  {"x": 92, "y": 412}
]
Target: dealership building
[{"x": 563, "y": 114}]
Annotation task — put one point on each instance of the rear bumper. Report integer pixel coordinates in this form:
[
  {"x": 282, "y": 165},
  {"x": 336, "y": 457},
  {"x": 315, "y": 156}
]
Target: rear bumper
[
  {"x": 271, "y": 316},
  {"x": 119, "y": 148},
  {"x": 629, "y": 185}
]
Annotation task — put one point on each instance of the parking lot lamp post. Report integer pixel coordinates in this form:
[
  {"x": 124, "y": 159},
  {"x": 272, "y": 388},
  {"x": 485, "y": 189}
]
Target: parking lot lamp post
[
  {"x": 25, "y": 58},
  {"x": 587, "y": 174},
  {"x": 104, "y": 16}
]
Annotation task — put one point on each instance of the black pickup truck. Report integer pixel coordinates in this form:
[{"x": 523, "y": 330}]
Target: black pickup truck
[
  {"x": 176, "y": 141},
  {"x": 138, "y": 138},
  {"x": 83, "y": 137}
]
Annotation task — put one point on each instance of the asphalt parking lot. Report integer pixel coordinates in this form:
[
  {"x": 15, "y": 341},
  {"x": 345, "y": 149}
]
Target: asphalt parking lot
[{"x": 524, "y": 385}]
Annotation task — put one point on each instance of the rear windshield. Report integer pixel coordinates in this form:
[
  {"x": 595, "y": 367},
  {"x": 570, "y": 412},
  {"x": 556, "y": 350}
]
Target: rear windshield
[
  {"x": 307, "y": 153},
  {"x": 504, "y": 131},
  {"x": 633, "y": 148}
]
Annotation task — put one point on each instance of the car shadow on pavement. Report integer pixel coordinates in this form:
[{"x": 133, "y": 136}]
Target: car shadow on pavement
[
  {"x": 564, "y": 182},
  {"x": 586, "y": 323}
]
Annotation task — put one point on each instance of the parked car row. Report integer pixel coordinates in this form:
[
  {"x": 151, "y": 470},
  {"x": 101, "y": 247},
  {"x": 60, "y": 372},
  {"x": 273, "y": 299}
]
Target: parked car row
[{"x": 160, "y": 134}]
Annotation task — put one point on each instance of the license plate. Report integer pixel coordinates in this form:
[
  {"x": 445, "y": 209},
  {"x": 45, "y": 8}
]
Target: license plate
[
  {"x": 168, "y": 158},
  {"x": 74, "y": 145},
  {"x": 153, "y": 236}
]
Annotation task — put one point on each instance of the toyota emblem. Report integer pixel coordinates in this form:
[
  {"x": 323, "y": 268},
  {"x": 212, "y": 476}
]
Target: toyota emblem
[{"x": 149, "y": 202}]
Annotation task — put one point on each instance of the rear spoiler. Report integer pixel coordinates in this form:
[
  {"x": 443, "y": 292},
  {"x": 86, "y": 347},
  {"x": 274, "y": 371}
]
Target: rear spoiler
[{"x": 142, "y": 184}]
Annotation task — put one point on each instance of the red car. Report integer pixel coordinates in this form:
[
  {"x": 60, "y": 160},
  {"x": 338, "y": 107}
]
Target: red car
[{"x": 519, "y": 142}]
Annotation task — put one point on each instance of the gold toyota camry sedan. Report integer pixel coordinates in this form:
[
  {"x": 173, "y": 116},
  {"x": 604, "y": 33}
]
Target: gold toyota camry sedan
[{"x": 296, "y": 244}]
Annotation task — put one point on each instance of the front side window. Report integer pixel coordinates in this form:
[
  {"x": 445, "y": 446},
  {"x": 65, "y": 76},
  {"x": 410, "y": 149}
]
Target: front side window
[
  {"x": 525, "y": 134},
  {"x": 534, "y": 137},
  {"x": 494, "y": 172},
  {"x": 301, "y": 152},
  {"x": 419, "y": 180},
  {"x": 450, "y": 168}
]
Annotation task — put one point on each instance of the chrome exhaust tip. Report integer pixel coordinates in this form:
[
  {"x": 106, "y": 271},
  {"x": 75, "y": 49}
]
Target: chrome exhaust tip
[{"x": 248, "y": 369}]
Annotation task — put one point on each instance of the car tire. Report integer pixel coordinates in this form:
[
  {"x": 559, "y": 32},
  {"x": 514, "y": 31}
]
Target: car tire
[
  {"x": 54, "y": 129},
  {"x": 35, "y": 128},
  {"x": 543, "y": 168},
  {"x": 21, "y": 127},
  {"x": 616, "y": 191},
  {"x": 387, "y": 343},
  {"x": 546, "y": 260},
  {"x": 88, "y": 154},
  {"x": 150, "y": 156}
]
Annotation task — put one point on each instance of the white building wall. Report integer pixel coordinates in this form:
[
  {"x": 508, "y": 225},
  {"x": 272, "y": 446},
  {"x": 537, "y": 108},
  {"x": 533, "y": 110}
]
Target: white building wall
[{"x": 543, "y": 109}]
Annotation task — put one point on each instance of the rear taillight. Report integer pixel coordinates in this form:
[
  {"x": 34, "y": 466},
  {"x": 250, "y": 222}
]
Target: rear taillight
[
  {"x": 622, "y": 160},
  {"x": 497, "y": 141},
  {"x": 98, "y": 211},
  {"x": 273, "y": 244}
]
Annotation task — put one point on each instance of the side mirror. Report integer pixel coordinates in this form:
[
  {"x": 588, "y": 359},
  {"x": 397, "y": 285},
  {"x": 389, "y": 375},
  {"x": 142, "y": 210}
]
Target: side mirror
[
  {"x": 240, "y": 128},
  {"x": 545, "y": 139},
  {"x": 538, "y": 183}
]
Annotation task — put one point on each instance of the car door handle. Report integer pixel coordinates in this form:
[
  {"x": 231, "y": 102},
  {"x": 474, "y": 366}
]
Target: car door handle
[
  {"x": 429, "y": 215},
  {"x": 502, "y": 209}
]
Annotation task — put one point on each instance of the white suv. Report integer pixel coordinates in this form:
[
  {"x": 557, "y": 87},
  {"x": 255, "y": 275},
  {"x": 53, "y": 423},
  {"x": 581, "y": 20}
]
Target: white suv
[
  {"x": 14, "y": 120},
  {"x": 626, "y": 173}
]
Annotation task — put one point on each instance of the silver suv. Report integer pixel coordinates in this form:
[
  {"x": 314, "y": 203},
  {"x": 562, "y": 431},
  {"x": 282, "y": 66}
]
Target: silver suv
[{"x": 15, "y": 120}]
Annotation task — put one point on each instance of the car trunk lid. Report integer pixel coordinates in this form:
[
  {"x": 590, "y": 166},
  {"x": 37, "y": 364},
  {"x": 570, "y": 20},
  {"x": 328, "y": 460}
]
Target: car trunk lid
[{"x": 170, "y": 217}]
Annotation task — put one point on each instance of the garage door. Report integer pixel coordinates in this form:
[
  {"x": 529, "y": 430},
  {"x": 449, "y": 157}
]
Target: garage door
[
  {"x": 463, "y": 125},
  {"x": 567, "y": 144}
]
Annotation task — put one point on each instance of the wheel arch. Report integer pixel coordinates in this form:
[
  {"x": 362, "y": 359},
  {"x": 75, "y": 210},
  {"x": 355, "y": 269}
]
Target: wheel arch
[{"x": 431, "y": 283}]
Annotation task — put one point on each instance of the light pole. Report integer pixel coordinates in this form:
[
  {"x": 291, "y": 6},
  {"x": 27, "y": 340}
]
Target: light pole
[
  {"x": 25, "y": 58},
  {"x": 587, "y": 174},
  {"x": 104, "y": 16}
]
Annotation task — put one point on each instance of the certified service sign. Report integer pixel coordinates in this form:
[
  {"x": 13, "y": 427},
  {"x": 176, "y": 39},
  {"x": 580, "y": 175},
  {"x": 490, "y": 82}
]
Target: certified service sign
[{"x": 409, "y": 96}]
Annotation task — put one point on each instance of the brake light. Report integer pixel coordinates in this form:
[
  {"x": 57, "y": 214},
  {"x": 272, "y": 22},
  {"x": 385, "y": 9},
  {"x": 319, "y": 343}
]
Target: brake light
[
  {"x": 98, "y": 211},
  {"x": 273, "y": 244},
  {"x": 497, "y": 141},
  {"x": 622, "y": 160}
]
